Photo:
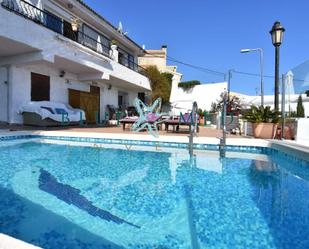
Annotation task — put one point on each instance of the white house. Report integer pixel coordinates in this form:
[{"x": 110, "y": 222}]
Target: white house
[
  {"x": 182, "y": 100},
  {"x": 290, "y": 101},
  {"x": 60, "y": 50},
  {"x": 158, "y": 58},
  {"x": 204, "y": 95}
]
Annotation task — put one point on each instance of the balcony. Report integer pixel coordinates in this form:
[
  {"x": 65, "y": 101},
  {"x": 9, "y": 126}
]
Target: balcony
[{"x": 52, "y": 22}]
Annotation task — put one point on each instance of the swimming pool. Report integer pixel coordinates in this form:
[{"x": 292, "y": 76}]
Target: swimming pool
[{"x": 59, "y": 194}]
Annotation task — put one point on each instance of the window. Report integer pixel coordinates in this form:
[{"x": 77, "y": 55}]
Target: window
[
  {"x": 122, "y": 58},
  {"x": 141, "y": 96},
  {"x": 120, "y": 101},
  {"x": 131, "y": 61},
  {"x": 68, "y": 31},
  {"x": 40, "y": 87},
  {"x": 95, "y": 40},
  {"x": 53, "y": 22}
]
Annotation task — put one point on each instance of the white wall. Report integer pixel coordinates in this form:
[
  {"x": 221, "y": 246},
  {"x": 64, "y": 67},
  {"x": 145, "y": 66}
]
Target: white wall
[
  {"x": 20, "y": 85},
  {"x": 53, "y": 45},
  {"x": 3, "y": 94},
  {"x": 302, "y": 134},
  {"x": 204, "y": 95},
  {"x": 110, "y": 97},
  {"x": 291, "y": 100},
  {"x": 48, "y": 48}
]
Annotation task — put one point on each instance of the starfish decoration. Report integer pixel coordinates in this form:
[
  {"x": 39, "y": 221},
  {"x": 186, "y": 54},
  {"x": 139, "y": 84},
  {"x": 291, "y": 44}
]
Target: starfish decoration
[{"x": 149, "y": 116}]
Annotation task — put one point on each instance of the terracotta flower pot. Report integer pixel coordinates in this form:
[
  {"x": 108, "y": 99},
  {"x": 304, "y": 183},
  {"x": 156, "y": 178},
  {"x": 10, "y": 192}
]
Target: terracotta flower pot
[
  {"x": 264, "y": 130},
  {"x": 202, "y": 121}
]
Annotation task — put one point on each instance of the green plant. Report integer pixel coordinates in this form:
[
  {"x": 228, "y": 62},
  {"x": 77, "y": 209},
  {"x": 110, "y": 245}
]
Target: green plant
[
  {"x": 300, "y": 111},
  {"x": 160, "y": 84},
  {"x": 293, "y": 114},
  {"x": 307, "y": 93},
  {"x": 169, "y": 79},
  {"x": 114, "y": 42},
  {"x": 201, "y": 113},
  {"x": 262, "y": 115},
  {"x": 186, "y": 85},
  {"x": 213, "y": 107},
  {"x": 233, "y": 105}
]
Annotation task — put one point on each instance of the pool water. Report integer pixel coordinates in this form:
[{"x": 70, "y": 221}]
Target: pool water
[{"x": 62, "y": 196}]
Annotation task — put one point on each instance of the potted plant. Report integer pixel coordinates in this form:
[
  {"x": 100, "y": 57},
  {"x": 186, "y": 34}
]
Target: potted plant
[
  {"x": 114, "y": 42},
  {"x": 201, "y": 113},
  {"x": 264, "y": 121}
]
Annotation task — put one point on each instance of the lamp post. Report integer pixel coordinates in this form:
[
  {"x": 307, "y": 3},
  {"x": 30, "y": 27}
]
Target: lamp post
[
  {"x": 260, "y": 50},
  {"x": 276, "y": 36}
]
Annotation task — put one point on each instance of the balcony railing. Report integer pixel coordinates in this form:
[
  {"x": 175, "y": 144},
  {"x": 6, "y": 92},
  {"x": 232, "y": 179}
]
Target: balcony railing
[
  {"x": 126, "y": 60},
  {"x": 64, "y": 28}
]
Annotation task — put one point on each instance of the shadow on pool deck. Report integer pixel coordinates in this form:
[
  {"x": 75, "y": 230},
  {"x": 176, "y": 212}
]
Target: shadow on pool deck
[{"x": 24, "y": 220}]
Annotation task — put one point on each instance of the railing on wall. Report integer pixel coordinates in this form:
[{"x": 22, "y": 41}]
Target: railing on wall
[
  {"x": 54, "y": 23},
  {"x": 64, "y": 28},
  {"x": 127, "y": 60}
]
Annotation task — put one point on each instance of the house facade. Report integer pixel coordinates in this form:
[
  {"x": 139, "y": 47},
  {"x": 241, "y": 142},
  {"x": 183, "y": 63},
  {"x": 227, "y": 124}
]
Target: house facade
[
  {"x": 63, "y": 51},
  {"x": 181, "y": 100}
]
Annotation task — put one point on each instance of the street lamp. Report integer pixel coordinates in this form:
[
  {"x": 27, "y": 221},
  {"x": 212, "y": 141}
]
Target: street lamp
[
  {"x": 260, "y": 50},
  {"x": 276, "y": 36}
]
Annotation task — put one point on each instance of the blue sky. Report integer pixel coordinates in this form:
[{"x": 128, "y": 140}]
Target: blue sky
[{"x": 210, "y": 33}]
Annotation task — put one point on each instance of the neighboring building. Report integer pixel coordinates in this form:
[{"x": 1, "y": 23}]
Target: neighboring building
[
  {"x": 204, "y": 95},
  {"x": 60, "y": 50},
  {"x": 158, "y": 58},
  {"x": 182, "y": 100},
  {"x": 290, "y": 101}
]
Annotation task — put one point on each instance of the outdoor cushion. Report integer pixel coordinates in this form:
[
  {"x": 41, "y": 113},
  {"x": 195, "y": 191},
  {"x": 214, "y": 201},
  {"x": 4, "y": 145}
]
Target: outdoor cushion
[
  {"x": 60, "y": 111},
  {"x": 48, "y": 109},
  {"x": 53, "y": 110},
  {"x": 152, "y": 117}
]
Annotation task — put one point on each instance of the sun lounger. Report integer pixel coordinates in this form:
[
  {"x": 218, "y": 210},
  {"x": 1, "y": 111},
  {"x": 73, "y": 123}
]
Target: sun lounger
[
  {"x": 127, "y": 120},
  {"x": 184, "y": 120},
  {"x": 150, "y": 118}
]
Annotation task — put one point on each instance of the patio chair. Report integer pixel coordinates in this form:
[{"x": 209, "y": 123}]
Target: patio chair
[
  {"x": 184, "y": 120},
  {"x": 150, "y": 118}
]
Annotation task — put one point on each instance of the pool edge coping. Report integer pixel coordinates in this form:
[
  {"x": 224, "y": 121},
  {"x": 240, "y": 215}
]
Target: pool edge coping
[{"x": 289, "y": 147}]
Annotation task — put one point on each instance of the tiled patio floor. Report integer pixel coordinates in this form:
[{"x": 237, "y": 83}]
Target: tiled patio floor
[{"x": 204, "y": 131}]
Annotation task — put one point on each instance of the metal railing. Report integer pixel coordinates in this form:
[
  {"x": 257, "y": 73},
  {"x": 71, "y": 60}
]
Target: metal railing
[
  {"x": 54, "y": 23},
  {"x": 125, "y": 60},
  {"x": 193, "y": 128},
  {"x": 222, "y": 144},
  {"x": 64, "y": 28}
]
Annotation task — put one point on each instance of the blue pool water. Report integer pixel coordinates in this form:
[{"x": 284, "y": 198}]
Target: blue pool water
[{"x": 61, "y": 196}]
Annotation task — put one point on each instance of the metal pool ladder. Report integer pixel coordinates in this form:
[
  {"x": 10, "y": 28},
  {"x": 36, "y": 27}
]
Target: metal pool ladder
[
  {"x": 193, "y": 128},
  {"x": 222, "y": 144}
]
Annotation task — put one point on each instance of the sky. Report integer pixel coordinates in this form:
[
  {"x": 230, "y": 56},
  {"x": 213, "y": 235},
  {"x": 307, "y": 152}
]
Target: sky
[{"x": 210, "y": 34}]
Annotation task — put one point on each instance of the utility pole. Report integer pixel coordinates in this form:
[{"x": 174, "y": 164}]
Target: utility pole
[
  {"x": 283, "y": 106},
  {"x": 229, "y": 85}
]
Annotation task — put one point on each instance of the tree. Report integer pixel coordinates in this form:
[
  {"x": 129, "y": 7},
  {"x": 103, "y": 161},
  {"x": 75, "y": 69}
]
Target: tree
[
  {"x": 169, "y": 78},
  {"x": 186, "y": 85},
  {"x": 300, "y": 111},
  {"x": 160, "y": 84},
  {"x": 233, "y": 105}
]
